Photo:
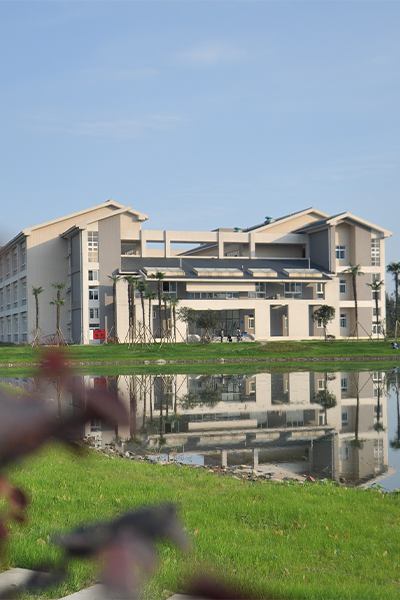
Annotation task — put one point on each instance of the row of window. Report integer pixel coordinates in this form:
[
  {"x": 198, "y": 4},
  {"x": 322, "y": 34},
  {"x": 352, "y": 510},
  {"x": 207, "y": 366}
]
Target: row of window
[
  {"x": 343, "y": 285},
  {"x": 340, "y": 252},
  {"x": 10, "y": 294},
  {"x": 13, "y": 261},
  {"x": 14, "y": 328}
]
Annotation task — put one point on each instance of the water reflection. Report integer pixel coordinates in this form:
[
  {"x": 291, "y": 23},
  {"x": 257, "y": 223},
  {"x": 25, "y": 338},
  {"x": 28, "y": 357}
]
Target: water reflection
[{"x": 321, "y": 424}]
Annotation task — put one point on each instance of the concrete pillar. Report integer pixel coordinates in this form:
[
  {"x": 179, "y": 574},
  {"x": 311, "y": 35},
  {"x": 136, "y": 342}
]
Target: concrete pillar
[
  {"x": 224, "y": 458},
  {"x": 167, "y": 244},
  {"x": 255, "y": 458},
  {"x": 143, "y": 245}
]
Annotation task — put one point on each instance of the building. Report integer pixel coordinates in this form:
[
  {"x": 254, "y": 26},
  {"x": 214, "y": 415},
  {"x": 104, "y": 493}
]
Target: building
[{"x": 267, "y": 279}]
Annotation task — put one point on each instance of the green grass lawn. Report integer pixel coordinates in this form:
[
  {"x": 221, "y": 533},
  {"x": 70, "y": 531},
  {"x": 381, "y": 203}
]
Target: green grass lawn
[
  {"x": 273, "y": 540},
  {"x": 207, "y": 352}
]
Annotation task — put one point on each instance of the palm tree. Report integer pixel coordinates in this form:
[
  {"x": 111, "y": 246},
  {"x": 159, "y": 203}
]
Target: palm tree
[
  {"x": 142, "y": 288},
  {"x": 166, "y": 298},
  {"x": 115, "y": 279},
  {"x": 36, "y": 291},
  {"x": 150, "y": 296},
  {"x": 394, "y": 269},
  {"x": 132, "y": 282},
  {"x": 375, "y": 287},
  {"x": 354, "y": 271},
  {"x": 174, "y": 303},
  {"x": 159, "y": 276},
  {"x": 58, "y": 302}
]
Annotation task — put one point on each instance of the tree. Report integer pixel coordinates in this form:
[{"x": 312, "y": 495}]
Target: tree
[
  {"x": 58, "y": 302},
  {"x": 174, "y": 303},
  {"x": 150, "y": 296},
  {"x": 325, "y": 314},
  {"x": 207, "y": 320},
  {"x": 142, "y": 289},
  {"x": 36, "y": 291},
  {"x": 375, "y": 287},
  {"x": 166, "y": 298},
  {"x": 390, "y": 313},
  {"x": 114, "y": 279},
  {"x": 393, "y": 269},
  {"x": 159, "y": 276},
  {"x": 132, "y": 282},
  {"x": 354, "y": 271},
  {"x": 187, "y": 315}
]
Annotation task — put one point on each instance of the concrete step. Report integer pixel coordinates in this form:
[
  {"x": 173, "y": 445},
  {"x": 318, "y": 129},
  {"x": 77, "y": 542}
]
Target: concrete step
[{"x": 12, "y": 579}]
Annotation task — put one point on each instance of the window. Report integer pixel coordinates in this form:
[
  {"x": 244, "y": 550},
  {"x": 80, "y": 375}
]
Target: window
[
  {"x": 93, "y": 313},
  {"x": 374, "y": 312},
  {"x": 93, "y": 275},
  {"x": 93, "y": 293},
  {"x": 15, "y": 260},
  {"x": 320, "y": 290},
  {"x": 128, "y": 248},
  {"x": 8, "y": 296},
  {"x": 375, "y": 253},
  {"x": 93, "y": 246},
  {"x": 169, "y": 287},
  {"x": 343, "y": 384},
  {"x": 15, "y": 292},
  {"x": 343, "y": 320},
  {"x": 24, "y": 327},
  {"x": 376, "y": 279},
  {"x": 320, "y": 323},
  {"x": 1, "y": 269},
  {"x": 16, "y": 329},
  {"x": 212, "y": 295},
  {"x": 376, "y": 328},
  {"x": 251, "y": 322},
  {"x": 345, "y": 418},
  {"x": 8, "y": 264},
  {"x": 293, "y": 290},
  {"x": 341, "y": 252},
  {"x": 342, "y": 286},
  {"x": 23, "y": 292},
  {"x": 1, "y": 299},
  {"x": 321, "y": 384},
  {"x": 260, "y": 290},
  {"x": 22, "y": 256}
]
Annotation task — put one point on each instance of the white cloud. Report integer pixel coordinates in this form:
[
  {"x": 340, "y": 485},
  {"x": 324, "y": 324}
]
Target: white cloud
[
  {"x": 102, "y": 75},
  {"x": 122, "y": 129},
  {"x": 211, "y": 53}
]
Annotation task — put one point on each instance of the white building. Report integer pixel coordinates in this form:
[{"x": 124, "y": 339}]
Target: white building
[{"x": 267, "y": 279}]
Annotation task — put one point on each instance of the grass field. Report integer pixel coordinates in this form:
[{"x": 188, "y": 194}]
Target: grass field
[
  {"x": 250, "y": 351},
  {"x": 272, "y": 540}
]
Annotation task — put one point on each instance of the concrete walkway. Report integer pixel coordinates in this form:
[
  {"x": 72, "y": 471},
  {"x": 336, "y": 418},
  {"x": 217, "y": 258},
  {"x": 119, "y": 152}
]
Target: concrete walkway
[{"x": 11, "y": 580}]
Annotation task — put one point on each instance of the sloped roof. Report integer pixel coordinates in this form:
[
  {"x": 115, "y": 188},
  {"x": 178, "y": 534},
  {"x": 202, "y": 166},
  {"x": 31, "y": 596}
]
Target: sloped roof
[
  {"x": 340, "y": 218},
  {"x": 85, "y": 212}
]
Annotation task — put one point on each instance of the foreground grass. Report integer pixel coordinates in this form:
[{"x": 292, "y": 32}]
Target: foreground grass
[{"x": 274, "y": 540}]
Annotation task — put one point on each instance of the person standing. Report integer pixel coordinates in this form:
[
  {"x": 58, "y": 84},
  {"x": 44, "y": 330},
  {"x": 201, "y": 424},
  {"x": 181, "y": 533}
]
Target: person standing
[{"x": 222, "y": 335}]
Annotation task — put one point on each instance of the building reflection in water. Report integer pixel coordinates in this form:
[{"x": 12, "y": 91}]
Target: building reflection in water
[{"x": 330, "y": 425}]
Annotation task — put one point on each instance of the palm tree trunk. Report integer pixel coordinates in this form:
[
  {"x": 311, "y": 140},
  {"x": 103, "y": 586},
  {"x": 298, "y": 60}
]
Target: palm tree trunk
[{"x": 355, "y": 303}]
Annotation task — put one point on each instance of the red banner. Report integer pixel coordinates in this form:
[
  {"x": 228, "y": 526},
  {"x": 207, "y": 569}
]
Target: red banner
[{"x": 99, "y": 334}]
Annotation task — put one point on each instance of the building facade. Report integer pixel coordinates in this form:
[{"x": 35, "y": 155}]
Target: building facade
[{"x": 266, "y": 280}]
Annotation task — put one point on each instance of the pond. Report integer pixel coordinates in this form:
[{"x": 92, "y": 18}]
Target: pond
[{"x": 337, "y": 425}]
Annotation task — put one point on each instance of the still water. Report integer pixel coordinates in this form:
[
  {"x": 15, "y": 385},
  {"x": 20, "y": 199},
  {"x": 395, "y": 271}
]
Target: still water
[{"x": 342, "y": 425}]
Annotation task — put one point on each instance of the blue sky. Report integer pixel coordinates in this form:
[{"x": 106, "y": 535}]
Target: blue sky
[{"x": 199, "y": 113}]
